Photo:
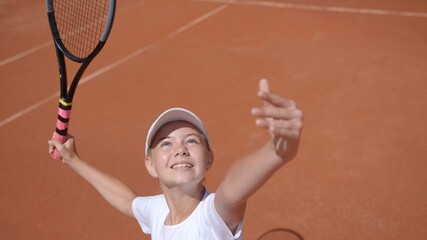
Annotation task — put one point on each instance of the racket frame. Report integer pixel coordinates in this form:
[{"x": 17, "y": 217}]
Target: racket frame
[{"x": 67, "y": 93}]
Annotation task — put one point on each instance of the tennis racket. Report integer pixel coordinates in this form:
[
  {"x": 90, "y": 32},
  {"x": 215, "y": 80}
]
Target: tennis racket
[{"x": 80, "y": 29}]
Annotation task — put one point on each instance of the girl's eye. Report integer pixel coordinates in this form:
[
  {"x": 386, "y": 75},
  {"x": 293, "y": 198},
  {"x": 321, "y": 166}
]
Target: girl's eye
[
  {"x": 192, "y": 140},
  {"x": 165, "y": 143}
]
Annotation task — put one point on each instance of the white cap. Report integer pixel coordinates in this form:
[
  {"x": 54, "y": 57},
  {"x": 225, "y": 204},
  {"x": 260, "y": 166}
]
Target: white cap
[{"x": 171, "y": 115}]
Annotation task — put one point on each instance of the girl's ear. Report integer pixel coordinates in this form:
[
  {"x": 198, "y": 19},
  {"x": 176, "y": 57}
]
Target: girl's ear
[
  {"x": 150, "y": 167},
  {"x": 210, "y": 160}
]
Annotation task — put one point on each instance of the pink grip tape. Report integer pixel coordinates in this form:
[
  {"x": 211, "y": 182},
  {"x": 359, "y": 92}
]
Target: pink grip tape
[
  {"x": 64, "y": 113},
  {"x": 61, "y": 126},
  {"x": 61, "y": 139}
]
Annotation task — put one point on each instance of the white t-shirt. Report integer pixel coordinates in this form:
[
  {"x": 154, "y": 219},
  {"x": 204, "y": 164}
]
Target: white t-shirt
[{"x": 203, "y": 224}]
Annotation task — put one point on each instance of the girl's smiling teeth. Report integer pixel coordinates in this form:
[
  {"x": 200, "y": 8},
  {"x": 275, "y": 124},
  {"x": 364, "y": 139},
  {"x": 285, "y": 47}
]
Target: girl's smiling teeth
[{"x": 181, "y": 165}]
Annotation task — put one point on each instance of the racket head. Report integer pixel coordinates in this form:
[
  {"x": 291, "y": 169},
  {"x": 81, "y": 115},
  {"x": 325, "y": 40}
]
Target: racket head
[{"x": 80, "y": 28}]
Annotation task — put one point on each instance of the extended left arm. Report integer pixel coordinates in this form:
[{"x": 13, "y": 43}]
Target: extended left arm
[{"x": 283, "y": 120}]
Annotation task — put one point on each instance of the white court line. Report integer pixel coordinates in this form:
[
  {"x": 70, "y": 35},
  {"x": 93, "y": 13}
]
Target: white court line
[
  {"x": 321, "y": 8},
  {"x": 47, "y": 44},
  {"x": 116, "y": 63},
  {"x": 141, "y": 50},
  {"x": 257, "y": 3},
  {"x": 28, "y": 109},
  {"x": 25, "y": 53},
  {"x": 198, "y": 20}
]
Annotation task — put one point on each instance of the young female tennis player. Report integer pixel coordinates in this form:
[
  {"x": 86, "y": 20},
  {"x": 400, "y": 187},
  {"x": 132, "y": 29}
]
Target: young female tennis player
[{"x": 178, "y": 154}]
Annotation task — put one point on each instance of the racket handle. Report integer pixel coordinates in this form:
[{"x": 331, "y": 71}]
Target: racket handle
[
  {"x": 64, "y": 112},
  {"x": 62, "y": 139}
]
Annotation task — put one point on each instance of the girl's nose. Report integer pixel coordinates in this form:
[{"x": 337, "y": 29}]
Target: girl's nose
[{"x": 181, "y": 151}]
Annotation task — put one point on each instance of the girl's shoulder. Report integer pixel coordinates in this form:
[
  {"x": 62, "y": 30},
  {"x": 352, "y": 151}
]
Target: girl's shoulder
[{"x": 144, "y": 202}]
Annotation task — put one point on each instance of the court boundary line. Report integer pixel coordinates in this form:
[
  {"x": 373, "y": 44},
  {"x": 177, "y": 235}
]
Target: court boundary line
[
  {"x": 25, "y": 53},
  {"x": 256, "y": 3},
  {"x": 113, "y": 65},
  {"x": 311, "y": 7}
]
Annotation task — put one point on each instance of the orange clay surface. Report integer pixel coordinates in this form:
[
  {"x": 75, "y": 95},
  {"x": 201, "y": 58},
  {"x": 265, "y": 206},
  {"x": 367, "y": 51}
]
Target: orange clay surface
[{"x": 359, "y": 76}]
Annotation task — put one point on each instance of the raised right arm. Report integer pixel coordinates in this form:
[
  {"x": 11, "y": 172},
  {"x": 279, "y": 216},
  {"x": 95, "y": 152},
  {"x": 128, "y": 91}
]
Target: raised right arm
[{"x": 115, "y": 192}]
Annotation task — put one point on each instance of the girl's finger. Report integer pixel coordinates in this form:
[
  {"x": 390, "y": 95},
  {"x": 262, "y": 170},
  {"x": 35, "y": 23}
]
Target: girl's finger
[
  {"x": 50, "y": 149},
  {"x": 262, "y": 122},
  {"x": 291, "y": 125},
  {"x": 263, "y": 86},
  {"x": 277, "y": 113},
  {"x": 276, "y": 100}
]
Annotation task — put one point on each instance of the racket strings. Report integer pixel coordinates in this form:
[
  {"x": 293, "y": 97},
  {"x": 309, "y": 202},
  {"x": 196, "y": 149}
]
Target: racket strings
[{"x": 81, "y": 24}]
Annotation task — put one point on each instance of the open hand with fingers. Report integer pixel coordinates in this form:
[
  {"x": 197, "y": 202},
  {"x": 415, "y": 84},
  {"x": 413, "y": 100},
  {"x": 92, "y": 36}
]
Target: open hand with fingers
[{"x": 282, "y": 118}]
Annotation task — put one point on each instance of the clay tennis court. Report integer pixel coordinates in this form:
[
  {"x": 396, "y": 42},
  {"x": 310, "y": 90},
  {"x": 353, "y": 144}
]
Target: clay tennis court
[{"x": 357, "y": 69}]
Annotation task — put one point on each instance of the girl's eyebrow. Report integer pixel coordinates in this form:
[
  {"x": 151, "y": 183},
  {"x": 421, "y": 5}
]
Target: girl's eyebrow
[
  {"x": 167, "y": 137},
  {"x": 157, "y": 141},
  {"x": 193, "y": 134}
]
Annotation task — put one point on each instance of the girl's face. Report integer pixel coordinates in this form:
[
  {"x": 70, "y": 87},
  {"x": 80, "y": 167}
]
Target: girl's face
[{"x": 179, "y": 155}]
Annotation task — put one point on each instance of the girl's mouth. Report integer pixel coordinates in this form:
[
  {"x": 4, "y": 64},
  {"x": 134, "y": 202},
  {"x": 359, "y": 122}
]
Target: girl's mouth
[{"x": 181, "y": 165}]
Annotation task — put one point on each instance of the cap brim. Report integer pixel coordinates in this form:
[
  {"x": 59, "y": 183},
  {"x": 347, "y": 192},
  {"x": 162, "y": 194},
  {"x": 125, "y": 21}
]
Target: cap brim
[{"x": 171, "y": 115}]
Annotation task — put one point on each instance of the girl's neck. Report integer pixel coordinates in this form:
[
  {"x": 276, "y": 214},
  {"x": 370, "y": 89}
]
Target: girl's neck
[{"x": 182, "y": 203}]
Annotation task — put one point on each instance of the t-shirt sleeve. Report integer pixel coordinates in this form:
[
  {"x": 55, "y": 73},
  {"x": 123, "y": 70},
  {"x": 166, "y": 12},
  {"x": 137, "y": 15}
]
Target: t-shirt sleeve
[
  {"x": 140, "y": 207},
  {"x": 217, "y": 222}
]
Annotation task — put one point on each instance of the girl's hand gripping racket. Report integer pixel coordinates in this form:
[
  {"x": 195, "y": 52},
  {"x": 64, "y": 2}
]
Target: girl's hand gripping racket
[{"x": 80, "y": 29}]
